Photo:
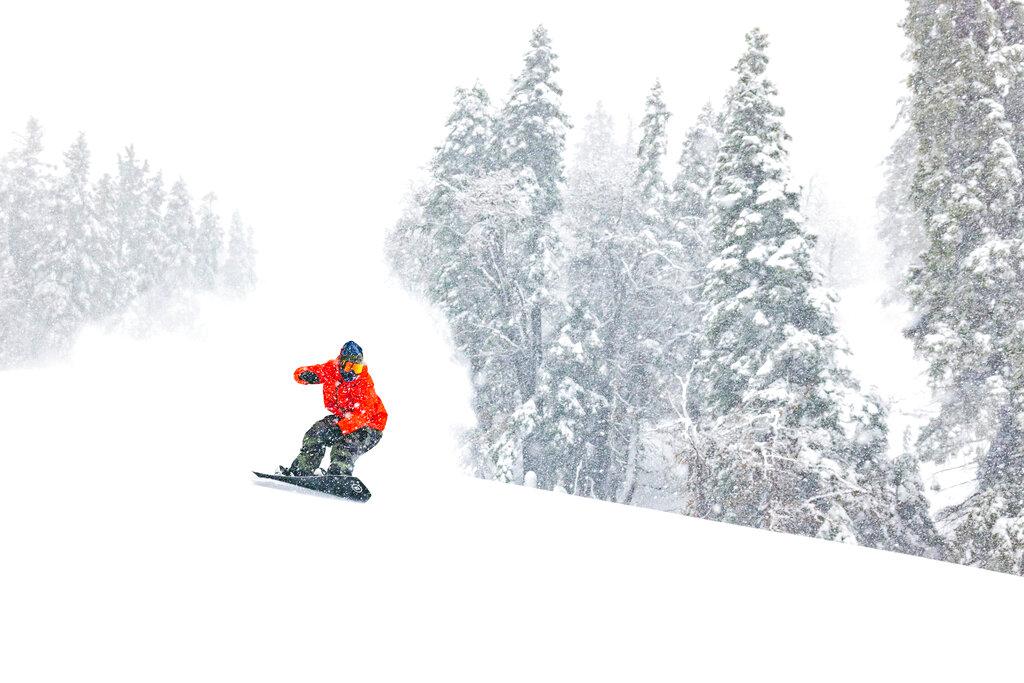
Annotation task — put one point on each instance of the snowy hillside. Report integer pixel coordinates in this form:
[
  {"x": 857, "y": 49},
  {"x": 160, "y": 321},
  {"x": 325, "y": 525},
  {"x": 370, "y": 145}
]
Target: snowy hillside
[{"x": 139, "y": 547}]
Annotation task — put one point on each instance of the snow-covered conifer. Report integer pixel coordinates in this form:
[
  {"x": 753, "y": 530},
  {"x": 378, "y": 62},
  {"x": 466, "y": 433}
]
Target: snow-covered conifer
[
  {"x": 531, "y": 141},
  {"x": 530, "y": 137},
  {"x": 648, "y": 315},
  {"x": 463, "y": 157},
  {"x": 182, "y": 234},
  {"x": 125, "y": 206},
  {"x": 492, "y": 322},
  {"x": 966, "y": 289},
  {"x": 599, "y": 211},
  {"x": 209, "y": 239},
  {"x": 1011, "y": 18},
  {"x": 900, "y": 226},
  {"x": 600, "y": 189},
  {"x": 573, "y": 388},
  {"x": 531, "y": 128},
  {"x": 239, "y": 269},
  {"x": 34, "y": 242},
  {"x": 423, "y": 248},
  {"x": 463, "y": 239},
  {"x": 785, "y": 423},
  {"x": 26, "y": 197},
  {"x": 652, "y": 191},
  {"x": 890, "y": 511},
  {"x": 468, "y": 149},
  {"x": 158, "y": 249},
  {"x": 690, "y": 198},
  {"x": 79, "y": 263},
  {"x": 12, "y": 304},
  {"x": 93, "y": 257},
  {"x": 623, "y": 292}
]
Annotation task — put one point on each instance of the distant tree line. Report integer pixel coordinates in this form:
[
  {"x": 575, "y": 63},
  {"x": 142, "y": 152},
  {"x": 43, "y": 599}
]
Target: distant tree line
[
  {"x": 673, "y": 344},
  {"x": 121, "y": 249}
]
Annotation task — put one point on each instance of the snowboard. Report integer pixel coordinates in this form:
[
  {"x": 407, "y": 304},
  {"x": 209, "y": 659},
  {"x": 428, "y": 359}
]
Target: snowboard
[{"x": 350, "y": 488}]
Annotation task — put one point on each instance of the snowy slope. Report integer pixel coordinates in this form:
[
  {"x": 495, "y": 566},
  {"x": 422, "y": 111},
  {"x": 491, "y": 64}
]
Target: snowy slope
[
  {"x": 136, "y": 546},
  {"x": 146, "y": 551}
]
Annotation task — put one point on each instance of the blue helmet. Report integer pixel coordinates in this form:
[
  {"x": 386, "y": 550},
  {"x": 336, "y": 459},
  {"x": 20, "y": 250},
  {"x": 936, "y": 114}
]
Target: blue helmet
[{"x": 352, "y": 351}]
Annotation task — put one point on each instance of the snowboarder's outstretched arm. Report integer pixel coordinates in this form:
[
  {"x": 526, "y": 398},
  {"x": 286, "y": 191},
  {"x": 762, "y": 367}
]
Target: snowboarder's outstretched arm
[{"x": 307, "y": 374}]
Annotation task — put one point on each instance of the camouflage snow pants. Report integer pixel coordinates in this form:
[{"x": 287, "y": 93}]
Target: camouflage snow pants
[{"x": 345, "y": 448}]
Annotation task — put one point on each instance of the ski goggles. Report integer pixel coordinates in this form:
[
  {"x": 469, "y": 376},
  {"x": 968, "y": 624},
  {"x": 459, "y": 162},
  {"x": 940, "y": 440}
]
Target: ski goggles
[{"x": 349, "y": 366}]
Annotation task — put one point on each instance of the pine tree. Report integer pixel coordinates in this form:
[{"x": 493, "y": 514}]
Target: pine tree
[
  {"x": 92, "y": 264},
  {"x": 690, "y": 199},
  {"x": 467, "y": 151},
  {"x": 11, "y": 302},
  {"x": 784, "y": 423},
  {"x": 131, "y": 208},
  {"x": 599, "y": 196},
  {"x": 756, "y": 226},
  {"x": 624, "y": 298},
  {"x": 207, "y": 246},
  {"x": 573, "y": 389},
  {"x": 126, "y": 205},
  {"x": 463, "y": 158},
  {"x": 966, "y": 289},
  {"x": 407, "y": 246},
  {"x": 33, "y": 243},
  {"x": 900, "y": 226},
  {"x": 493, "y": 317},
  {"x": 464, "y": 211},
  {"x": 532, "y": 126},
  {"x": 649, "y": 322},
  {"x": 891, "y": 510},
  {"x": 915, "y": 530},
  {"x": 105, "y": 299},
  {"x": 424, "y": 247},
  {"x": 1011, "y": 24},
  {"x": 182, "y": 234},
  {"x": 26, "y": 196},
  {"x": 652, "y": 191},
  {"x": 613, "y": 348},
  {"x": 599, "y": 210},
  {"x": 531, "y": 141},
  {"x": 157, "y": 248},
  {"x": 468, "y": 227},
  {"x": 987, "y": 530},
  {"x": 76, "y": 264},
  {"x": 239, "y": 269}
]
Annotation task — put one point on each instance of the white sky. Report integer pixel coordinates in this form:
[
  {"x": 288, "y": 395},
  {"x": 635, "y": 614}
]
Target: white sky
[{"x": 311, "y": 118}]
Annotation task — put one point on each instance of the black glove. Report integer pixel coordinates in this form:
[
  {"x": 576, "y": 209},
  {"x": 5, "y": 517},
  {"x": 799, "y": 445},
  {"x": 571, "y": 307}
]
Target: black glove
[{"x": 309, "y": 377}]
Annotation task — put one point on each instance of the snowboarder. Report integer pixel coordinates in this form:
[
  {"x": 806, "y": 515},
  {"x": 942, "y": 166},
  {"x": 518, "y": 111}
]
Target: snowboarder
[{"x": 357, "y": 417}]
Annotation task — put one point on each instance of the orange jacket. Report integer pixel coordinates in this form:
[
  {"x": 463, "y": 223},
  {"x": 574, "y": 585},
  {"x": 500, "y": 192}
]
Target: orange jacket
[{"x": 355, "y": 403}]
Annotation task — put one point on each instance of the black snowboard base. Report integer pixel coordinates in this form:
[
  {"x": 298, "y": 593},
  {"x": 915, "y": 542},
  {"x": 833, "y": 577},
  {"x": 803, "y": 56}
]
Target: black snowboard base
[{"x": 350, "y": 488}]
